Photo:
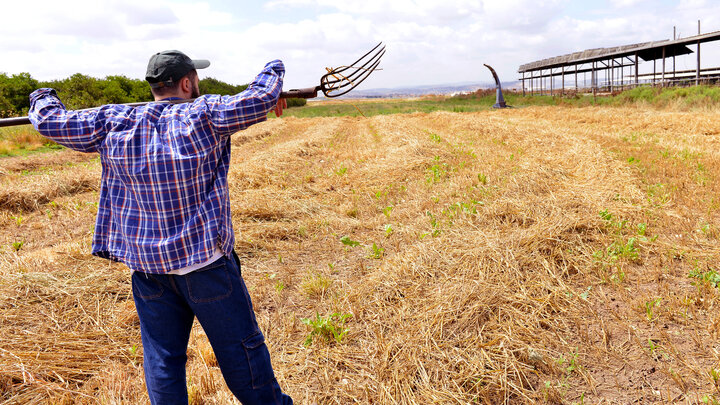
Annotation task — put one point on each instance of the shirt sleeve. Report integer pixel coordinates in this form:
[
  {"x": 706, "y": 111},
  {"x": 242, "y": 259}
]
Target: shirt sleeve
[
  {"x": 230, "y": 114},
  {"x": 78, "y": 130}
]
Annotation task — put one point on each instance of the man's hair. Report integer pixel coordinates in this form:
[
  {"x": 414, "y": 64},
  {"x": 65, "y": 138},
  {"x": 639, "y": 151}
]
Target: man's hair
[{"x": 166, "y": 90}]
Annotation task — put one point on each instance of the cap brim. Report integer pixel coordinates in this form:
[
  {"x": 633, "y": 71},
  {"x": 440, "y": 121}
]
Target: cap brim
[{"x": 201, "y": 63}]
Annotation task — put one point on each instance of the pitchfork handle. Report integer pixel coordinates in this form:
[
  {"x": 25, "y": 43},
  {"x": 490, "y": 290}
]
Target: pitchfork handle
[
  {"x": 9, "y": 122},
  {"x": 309, "y": 92}
]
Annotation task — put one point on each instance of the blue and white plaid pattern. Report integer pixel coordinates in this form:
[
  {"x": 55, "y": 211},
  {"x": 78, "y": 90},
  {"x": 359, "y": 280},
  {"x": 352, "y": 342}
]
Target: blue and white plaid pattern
[{"x": 164, "y": 198}]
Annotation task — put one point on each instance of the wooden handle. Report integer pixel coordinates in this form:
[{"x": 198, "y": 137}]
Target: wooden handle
[
  {"x": 8, "y": 122},
  {"x": 309, "y": 92}
]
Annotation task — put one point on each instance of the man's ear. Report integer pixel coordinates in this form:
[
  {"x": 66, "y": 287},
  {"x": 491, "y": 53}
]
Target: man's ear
[{"x": 186, "y": 85}]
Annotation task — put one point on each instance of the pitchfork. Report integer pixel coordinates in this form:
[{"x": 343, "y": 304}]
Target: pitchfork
[
  {"x": 341, "y": 80},
  {"x": 334, "y": 83}
]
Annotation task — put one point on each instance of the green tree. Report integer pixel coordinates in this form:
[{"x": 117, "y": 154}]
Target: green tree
[
  {"x": 14, "y": 92},
  {"x": 210, "y": 85}
]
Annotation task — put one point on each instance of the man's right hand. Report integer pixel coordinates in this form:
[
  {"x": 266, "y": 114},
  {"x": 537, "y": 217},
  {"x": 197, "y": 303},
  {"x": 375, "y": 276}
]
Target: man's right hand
[{"x": 281, "y": 104}]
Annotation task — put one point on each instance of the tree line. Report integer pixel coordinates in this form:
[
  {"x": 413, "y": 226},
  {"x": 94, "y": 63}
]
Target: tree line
[{"x": 83, "y": 91}]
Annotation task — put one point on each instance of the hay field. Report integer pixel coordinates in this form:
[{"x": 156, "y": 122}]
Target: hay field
[{"x": 535, "y": 255}]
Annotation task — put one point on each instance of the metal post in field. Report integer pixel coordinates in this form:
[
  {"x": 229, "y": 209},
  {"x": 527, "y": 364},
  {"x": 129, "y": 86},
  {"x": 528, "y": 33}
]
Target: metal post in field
[
  {"x": 697, "y": 71},
  {"x": 654, "y": 76},
  {"x": 663, "y": 66},
  {"x": 576, "y": 87}
]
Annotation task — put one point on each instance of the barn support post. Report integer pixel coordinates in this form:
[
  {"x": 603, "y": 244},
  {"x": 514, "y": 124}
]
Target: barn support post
[{"x": 663, "y": 66}]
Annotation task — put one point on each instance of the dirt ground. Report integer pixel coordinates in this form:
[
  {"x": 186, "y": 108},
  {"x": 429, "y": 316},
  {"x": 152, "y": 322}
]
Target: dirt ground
[{"x": 531, "y": 255}]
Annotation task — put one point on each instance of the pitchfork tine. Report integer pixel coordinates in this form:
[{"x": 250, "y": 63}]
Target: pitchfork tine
[
  {"x": 352, "y": 66},
  {"x": 364, "y": 75},
  {"x": 358, "y": 71},
  {"x": 335, "y": 83}
]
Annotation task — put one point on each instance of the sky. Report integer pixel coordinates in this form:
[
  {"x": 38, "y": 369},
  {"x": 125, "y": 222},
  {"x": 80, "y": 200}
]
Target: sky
[{"x": 428, "y": 42}]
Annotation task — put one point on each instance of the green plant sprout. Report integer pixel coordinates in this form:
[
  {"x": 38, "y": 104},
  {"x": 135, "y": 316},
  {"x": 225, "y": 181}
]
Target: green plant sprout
[
  {"x": 649, "y": 309},
  {"x": 279, "y": 286},
  {"x": 376, "y": 252},
  {"x": 387, "y": 211},
  {"x": 331, "y": 328},
  {"x": 388, "y": 230},
  {"x": 349, "y": 242},
  {"x": 710, "y": 276}
]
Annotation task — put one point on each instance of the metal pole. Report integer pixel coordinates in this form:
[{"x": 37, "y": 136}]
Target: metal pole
[
  {"x": 562, "y": 92},
  {"x": 674, "y": 38},
  {"x": 592, "y": 78},
  {"x": 576, "y": 88},
  {"x": 697, "y": 71},
  {"x": 654, "y": 71},
  {"x": 663, "y": 72},
  {"x": 611, "y": 68},
  {"x": 636, "y": 69},
  {"x": 552, "y": 79}
]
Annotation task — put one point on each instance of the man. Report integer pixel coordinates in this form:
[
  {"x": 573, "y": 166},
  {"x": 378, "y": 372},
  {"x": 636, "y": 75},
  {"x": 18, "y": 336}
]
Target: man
[{"x": 164, "y": 211}]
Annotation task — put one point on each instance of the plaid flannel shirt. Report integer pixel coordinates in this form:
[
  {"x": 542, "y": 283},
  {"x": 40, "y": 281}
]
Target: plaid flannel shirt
[{"x": 164, "y": 199}]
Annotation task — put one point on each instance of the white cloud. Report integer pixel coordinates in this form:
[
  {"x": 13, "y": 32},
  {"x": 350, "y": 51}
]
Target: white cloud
[
  {"x": 428, "y": 41},
  {"x": 626, "y": 3}
]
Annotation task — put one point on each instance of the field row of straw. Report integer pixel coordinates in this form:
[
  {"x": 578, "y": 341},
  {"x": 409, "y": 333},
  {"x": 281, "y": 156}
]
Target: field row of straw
[{"x": 535, "y": 255}]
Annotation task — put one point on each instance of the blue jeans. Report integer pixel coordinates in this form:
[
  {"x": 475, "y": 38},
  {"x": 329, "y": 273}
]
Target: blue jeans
[{"x": 217, "y": 296}]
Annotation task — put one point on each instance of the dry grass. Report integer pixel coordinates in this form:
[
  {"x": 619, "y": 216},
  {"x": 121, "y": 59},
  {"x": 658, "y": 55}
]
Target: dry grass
[{"x": 537, "y": 255}]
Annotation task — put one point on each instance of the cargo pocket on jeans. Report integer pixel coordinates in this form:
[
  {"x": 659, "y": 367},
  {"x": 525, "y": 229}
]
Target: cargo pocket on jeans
[{"x": 258, "y": 359}]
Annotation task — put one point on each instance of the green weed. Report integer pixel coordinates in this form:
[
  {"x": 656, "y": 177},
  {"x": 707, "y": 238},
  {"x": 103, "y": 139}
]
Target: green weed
[
  {"x": 387, "y": 211},
  {"x": 710, "y": 399},
  {"x": 18, "y": 219},
  {"x": 435, "y": 226},
  {"x": 710, "y": 276},
  {"x": 627, "y": 249},
  {"x": 279, "y": 286},
  {"x": 436, "y": 172},
  {"x": 388, "y": 230},
  {"x": 349, "y": 242},
  {"x": 376, "y": 252},
  {"x": 650, "y": 307},
  {"x": 330, "y": 328}
]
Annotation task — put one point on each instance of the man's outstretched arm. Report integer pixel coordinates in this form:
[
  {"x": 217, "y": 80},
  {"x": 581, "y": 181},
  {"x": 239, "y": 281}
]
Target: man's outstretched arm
[
  {"x": 230, "y": 114},
  {"x": 78, "y": 130}
]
